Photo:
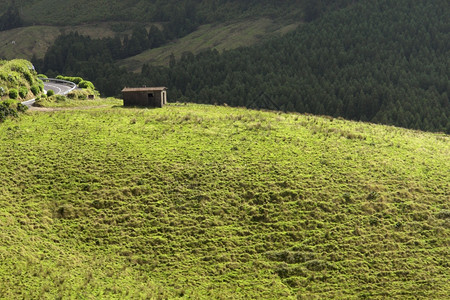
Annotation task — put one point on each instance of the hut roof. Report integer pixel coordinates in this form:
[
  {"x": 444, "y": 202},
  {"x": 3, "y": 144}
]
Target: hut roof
[{"x": 145, "y": 89}]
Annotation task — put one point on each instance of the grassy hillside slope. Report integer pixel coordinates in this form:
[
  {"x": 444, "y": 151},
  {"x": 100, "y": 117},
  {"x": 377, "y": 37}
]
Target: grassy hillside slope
[
  {"x": 24, "y": 42},
  {"x": 218, "y": 202},
  {"x": 223, "y": 36}
]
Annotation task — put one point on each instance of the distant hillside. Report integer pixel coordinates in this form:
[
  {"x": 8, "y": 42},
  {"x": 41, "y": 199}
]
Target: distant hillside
[
  {"x": 41, "y": 22},
  {"x": 376, "y": 61},
  {"x": 380, "y": 61},
  {"x": 213, "y": 202},
  {"x": 53, "y": 12},
  {"x": 176, "y": 18},
  {"x": 34, "y": 41},
  {"x": 219, "y": 36}
]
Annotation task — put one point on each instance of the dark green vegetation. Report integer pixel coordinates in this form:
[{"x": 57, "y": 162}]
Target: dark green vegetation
[
  {"x": 379, "y": 61},
  {"x": 45, "y": 20},
  {"x": 382, "y": 61},
  {"x": 10, "y": 108},
  {"x": 45, "y": 12},
  {"x": 18, "y": 79},
  {"x": 218, "y": 202},
  {"x": 18, "y": 82},
  {"x": 10, "y": 19}
]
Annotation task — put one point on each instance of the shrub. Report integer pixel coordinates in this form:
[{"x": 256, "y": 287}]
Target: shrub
[
  {"x": 75, "y": 80},
  {"x": 28, "y": 77},
  {"x": 78, "y": 94},
  {"x": 10, "y": 107},
  {"x": 41, "y": 85},
  {"x": 42, "y": 76},
  {"x": 35, "y": 90},
  {"x": 50, "y": 93},
  {"x": 40, "y": 102},
  {"x": 13, "y": 93},
  {"x": 60, "y": 98},
  {"x": 23, "y": 92},
  {"x": 21, "y": 107},
  {"x": 86, "y": 85},
  {"x": 4, "y": 110}
]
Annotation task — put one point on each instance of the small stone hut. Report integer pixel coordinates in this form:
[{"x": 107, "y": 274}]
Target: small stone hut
[{"x": 145, "y": 96}]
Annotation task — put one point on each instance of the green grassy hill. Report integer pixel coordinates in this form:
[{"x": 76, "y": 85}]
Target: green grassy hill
[
  {"x": 223, "y": 36},
  {"x": 201, "y": 201}
]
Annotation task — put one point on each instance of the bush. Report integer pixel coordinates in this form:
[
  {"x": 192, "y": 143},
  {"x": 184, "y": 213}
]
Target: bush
[
  {"x": 78, "y": 94},
  {"x": 85, "y": 84},
  {"x": 23, "y": 92},
  {"x": 60, "y": 98},
  {"x": 75, "y": 80},
  {"x": 13, "y": 93},
  {"x": 28, "y": 77},
  {"x": 21, "y": 107},
  {"x": 50, "y": 93},
  {"x": 10, "y": 107},
  {"x": 41, "y": 85},
  {"x": 35, "y": 90},
  {"x": 5, "y": 110}
]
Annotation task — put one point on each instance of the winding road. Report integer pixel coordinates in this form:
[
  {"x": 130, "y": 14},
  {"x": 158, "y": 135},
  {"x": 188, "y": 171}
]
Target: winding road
[{"x": 60, "y": 87}]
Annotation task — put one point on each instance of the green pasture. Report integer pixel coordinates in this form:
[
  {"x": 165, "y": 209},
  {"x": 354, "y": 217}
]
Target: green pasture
[{"x": 212, "y": 202}]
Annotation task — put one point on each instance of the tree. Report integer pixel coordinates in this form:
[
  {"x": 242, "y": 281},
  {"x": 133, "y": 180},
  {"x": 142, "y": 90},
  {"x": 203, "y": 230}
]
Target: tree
[{"x": 155, "y": 37}]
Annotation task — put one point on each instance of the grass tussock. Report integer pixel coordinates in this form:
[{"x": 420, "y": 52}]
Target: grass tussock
[{"x": 209, "y": 202}]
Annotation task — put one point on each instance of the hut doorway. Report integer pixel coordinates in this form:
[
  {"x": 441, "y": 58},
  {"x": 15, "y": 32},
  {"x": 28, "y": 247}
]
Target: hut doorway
[{"x": 150, "y": 98}]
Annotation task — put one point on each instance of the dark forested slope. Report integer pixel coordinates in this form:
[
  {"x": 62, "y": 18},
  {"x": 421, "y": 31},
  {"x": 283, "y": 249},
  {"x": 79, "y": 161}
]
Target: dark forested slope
[
  {"x": 55, "y": 12},
  {"x": 379, "y": 61}
]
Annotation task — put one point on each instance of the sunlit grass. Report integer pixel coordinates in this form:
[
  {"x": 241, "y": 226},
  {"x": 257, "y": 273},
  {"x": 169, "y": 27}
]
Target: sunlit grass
[
  {"x": 64, "y": 102},
  {"x": 218, "y": 202}
]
